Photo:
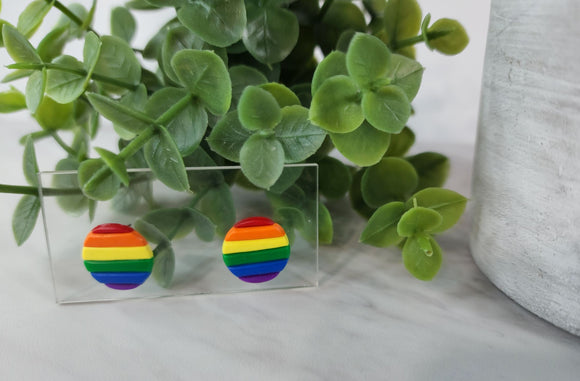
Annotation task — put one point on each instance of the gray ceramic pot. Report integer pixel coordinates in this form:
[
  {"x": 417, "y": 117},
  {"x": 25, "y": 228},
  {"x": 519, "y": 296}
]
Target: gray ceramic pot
[{"x": 526, "y": 187}]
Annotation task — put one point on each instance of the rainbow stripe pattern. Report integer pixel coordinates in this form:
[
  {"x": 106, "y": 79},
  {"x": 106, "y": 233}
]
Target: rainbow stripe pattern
[
  {"x": 117, "y": 256},
  {"x": 256, "y": 249}
]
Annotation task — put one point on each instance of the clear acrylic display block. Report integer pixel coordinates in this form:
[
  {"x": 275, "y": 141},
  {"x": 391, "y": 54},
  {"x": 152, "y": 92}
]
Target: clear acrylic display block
[{"x": 199, "y": 267}]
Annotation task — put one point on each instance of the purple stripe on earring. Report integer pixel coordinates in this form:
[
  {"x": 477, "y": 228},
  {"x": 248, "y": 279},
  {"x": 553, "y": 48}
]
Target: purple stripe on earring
[
  {"x": 122, "y": 286},
  {"x": 259, "y": 278}
]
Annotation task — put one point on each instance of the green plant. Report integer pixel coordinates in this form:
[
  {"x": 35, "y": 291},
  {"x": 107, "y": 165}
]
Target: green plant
[{"x": 238, "y": 82}]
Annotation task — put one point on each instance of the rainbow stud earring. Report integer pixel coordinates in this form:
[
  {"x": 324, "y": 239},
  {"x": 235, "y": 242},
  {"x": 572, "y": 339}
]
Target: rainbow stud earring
[
  {"x": 117, "y": 256},
  {"x": 256, "y": 249}
]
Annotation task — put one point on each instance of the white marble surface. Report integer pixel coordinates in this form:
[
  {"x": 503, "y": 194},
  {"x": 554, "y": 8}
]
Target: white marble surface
[{"x": 368, "y": 319}]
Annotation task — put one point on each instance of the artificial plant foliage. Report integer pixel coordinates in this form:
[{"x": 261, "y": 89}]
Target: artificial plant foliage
[{"x": 238, "y": 82}]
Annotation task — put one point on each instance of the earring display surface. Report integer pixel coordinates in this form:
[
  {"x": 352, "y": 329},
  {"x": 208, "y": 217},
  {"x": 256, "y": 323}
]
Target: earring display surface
[
  {"x": 117, "y": 256},
  {"x": 256, "y": 249}
]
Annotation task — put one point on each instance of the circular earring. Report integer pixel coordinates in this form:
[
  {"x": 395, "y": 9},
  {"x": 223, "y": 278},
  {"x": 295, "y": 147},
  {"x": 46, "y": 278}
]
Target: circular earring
[
  {"x": 117, "y": 256},
  {"x": 256, "y": 249}
]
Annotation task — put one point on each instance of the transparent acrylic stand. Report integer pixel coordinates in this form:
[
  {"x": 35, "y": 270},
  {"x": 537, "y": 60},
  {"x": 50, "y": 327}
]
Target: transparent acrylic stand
[{"x": 199, "y": 266}]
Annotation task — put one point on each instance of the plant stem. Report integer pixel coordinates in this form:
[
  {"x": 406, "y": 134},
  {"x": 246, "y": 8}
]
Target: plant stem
[
  {"x": 35, "y": 136},
  {"x": 19, "y": 189},
  {"x": 136, "y": 144},
  {"x": 324, "y": 9},
  {"x": 63, "y": 145},
  {"x": 417, "y": 39},
  {"x": 79, "y": 72},
  {"x": 140, "y": 140},
  {"x": 198, "y": 197},
  {"x": 68, "y": 13},
  {"x": 174, "y": 110}
]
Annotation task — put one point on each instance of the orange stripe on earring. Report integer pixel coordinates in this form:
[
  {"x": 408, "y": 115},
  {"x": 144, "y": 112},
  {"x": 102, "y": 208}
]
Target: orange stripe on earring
[
  {"x": 255, "y": 232},
  {"x": 115, "y": 240}
]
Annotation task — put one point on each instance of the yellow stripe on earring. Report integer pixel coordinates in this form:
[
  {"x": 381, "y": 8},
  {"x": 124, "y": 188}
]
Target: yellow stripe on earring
[
  {"x": 116, "y": 253},
  {"x": 230, "y": 247}
]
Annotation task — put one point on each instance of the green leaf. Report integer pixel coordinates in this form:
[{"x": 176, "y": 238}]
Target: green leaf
[
  {"x": 299, "y": 138},
  {"x": 16, "y": 75},
  {"x": 392, "y": 179},
  {"x": 32, "y": 16},
  {"x": 127, "y": 199},
  {"x": 453, "y": 38},
  {"x": 150, "y": 232},
  {"x": 386, "y": 109},
  {"x": 18, "y": 46},
  {"x": 134, "y": 100},
  {"x": 381, "y": 230},
  {"x": 294, "y": 197},
  {"x": 367, "y": 59},
  {"x": 271, "y": 33},
  {"x": 258, "y": 109},
  {"x": 72, "y": 204},
  {"x": 92, "y": 209},
  {"x": 153, "y": 48},
  {"x": 218, "y": 205},
  {"x": 166, "y": 3},
  {"x": 406, "y": 74},
  {"x": 118, "y": 61},
  {"x": 339, "y": 17},
  {"x": 24, "y": 218},
  {"x": 52, "y": 45},
  {"x": 344, "y": 40},
  {"x": 204, "y": 228},
  {"x": 165, "y": 161},
  {"x": 401, "y": 142},
  {"x": 115, "y": 164},
  {"x": 163, "y": 265},
  {"x": 2, "y": 23},
  {"x": 288, "y": 177},
  {"x": 243, "y": 76},
  {"x": 283, "y": 95},
  {"x": 91, "y": 53},
  {"x": 332, "y": 65},
  {"x": 431, "y": 167},
  {"x": 80, "y": 141},
  {"x": 446, "y": 202},
  {"x": 97, "y": 181},
  {"x": 336, "y": 105},
  {"x": 418, "y": 220},
  {"x": 334, "y": 177},
  {"x": 262, "y": 160},
  {"x": 173, "y": 223},
  {"x": 11, "y": 101},
  {"x": 76, "y": 31},
  {"x": 188, "y": 127},
  {"x": 218, "y": 22},
  {"x": 324, "y": 227},
  {"x": 364, "y": 146},
  {"x": 205, "y": 75},
  {"x": 228, "y": 137},
  {"x": 35, "y": 88},
  {"x": 402, "y": 19},
  {"x": 177, "y": 39},
  {"x": 29, "y": 164},
  {"x": 130, "y": 119},
  {"x": 420, "y": 264},
  {"x": 51, "y": 115},
  {"x": 88, "y": 21},
  {"x": 141, "y": 5},
  {"x": 123, "y": 24},
  {"x": 355, "y": 196},
  {"x": 375, "y": 7},
  {"x": 63, "y": 86}
]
